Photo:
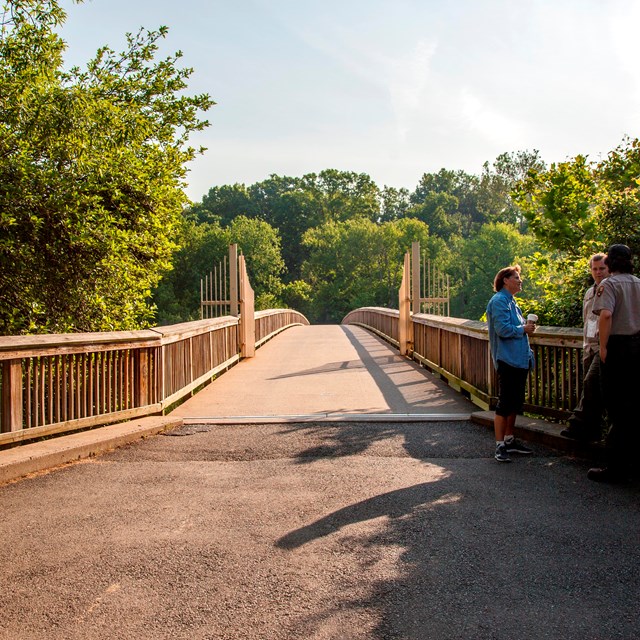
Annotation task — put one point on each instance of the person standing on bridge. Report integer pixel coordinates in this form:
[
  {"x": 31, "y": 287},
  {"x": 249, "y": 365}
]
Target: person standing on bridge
[
  {"x": 585, "y": 423},
  {"x": 512, "y": 358},
  {"x": 617, "y": 304}
]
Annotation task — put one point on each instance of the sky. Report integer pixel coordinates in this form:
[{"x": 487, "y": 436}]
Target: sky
[{"x": 390, "y": 88}]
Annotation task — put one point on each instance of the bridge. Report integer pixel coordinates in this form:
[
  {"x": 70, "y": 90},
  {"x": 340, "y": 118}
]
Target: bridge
[
  {"x": 58, "y": 384},
  {"x": 305, "y": 482}
]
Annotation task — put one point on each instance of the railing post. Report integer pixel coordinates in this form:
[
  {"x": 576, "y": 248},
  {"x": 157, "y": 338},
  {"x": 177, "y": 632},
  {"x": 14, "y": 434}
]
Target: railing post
[
  {"x": 11, "y": 395},
  {"x": 415, "y": 277},
  {"x": 233, "y": 279},
  {"x": 247, "y": 314},
  {"x": 404, "y": 304},
  {"x": 142, "y": 377}
]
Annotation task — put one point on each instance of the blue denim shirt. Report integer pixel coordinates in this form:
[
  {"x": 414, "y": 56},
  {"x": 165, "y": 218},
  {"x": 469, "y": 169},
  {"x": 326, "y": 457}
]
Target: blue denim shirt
[{"x": 507, "y": 338}]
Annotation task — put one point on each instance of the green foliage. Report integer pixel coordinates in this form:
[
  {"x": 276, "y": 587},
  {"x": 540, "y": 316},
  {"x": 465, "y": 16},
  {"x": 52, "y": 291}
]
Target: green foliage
[
  {"x": 357, "y": 263},
  {"x": 559, "y": 204},
  {"x": 394, "y": 204},
  {"x": 497, "y": 245},
  {"x": 560, "y": 283},
  {"x": 260, "y": 244},
  {"x": 496, "y": 202},
  {"x": 619, "y": 196},
  {"x": 446, "y": 201},
  {"x": 575, "y": 209},
  {"x": 343, "y": 239},
  {"x": 298, "y": 295},
  {"x": 203, "y": 247},
  {"x": 91, "y": 176},
  {"x": 223, "y": 204}
]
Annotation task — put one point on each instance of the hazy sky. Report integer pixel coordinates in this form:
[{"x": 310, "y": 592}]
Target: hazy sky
[{"x": 391, "y": 88}]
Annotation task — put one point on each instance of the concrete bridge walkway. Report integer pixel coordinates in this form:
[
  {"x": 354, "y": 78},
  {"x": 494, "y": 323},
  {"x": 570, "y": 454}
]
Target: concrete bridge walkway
[{"x": 325, "y": 372}]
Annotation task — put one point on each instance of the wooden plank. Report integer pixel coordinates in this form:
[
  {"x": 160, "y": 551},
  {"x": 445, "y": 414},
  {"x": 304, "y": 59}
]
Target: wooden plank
[
  {"x": 12, "y": 347},
  {"x": 12, "y": 416},
  {"x": 73, "y": 425}
]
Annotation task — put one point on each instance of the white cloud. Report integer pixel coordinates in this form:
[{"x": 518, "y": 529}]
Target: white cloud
[{"x": 488, "y": 122}]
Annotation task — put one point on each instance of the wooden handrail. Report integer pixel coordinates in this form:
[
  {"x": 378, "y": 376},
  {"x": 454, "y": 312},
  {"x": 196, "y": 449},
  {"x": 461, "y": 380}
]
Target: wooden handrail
[
  {"x": 458, "y": 350},
  {"x": 52, "y": 384}
]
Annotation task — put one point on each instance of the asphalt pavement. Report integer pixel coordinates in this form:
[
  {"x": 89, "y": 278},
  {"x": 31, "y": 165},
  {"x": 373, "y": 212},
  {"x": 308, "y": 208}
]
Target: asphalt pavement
[{"x": 328, "y": 530}]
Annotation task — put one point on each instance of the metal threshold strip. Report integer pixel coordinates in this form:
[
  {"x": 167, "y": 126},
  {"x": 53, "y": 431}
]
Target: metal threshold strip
[{"x": 330, "y": 417}]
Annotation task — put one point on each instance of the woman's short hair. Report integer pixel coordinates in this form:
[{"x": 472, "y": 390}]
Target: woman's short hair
[{"x": 507, "y": 272}]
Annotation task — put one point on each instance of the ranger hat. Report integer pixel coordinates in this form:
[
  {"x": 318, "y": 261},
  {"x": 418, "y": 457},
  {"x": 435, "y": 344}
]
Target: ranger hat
[{"x": 619, "y": 252}]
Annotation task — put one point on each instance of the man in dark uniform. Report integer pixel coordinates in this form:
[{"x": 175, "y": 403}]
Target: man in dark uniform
[{"x": 617, "y": 304}]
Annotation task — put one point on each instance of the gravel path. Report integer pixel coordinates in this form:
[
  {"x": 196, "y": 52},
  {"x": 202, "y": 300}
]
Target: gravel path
[{"x": 319, "y": 531}]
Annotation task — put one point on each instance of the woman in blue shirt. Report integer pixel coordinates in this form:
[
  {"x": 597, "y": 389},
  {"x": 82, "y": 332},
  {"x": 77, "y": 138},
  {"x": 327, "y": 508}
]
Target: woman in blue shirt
[{"x": 512, "y": 357}]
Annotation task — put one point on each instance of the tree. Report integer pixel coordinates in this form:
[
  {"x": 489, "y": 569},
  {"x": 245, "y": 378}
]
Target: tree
[
  {"x": 92, "y": 168},
  {"x": 560, "y": 205},
  {"x": 618, "y": 203},
  {"x": 394, "y": 204},
  {"x": 260, "y": 244},
  {"x": 496, "y": 245},
  {"x": 575, "y": 209},
  {"x": 446, "y": 201},
  {"x": 289, "y": 206},
  {"x": 224, "y": 204},
  {"x": 345, "y": 194},
  {"x": 498, "y": 182},
  {"x": 201, "y": 247},
  {"x": 357, "y": 263},
  {"x": 439, "y": 210}
]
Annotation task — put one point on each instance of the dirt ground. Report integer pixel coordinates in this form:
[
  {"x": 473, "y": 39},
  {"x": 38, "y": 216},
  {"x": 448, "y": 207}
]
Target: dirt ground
[{"x": 319, "y": 531}]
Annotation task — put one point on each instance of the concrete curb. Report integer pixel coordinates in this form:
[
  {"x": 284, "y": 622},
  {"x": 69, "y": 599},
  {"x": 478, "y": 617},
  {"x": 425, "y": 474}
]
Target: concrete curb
[
  {"x": 539, "y": 431},
  {"x": 47, "y": 454}
]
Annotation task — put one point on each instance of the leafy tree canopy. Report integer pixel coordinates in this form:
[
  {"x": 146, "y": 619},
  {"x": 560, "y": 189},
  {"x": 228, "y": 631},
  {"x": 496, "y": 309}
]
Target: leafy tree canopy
[
  {"x": 577, "y": 208},
  {"x": 357, "y": 263},
  {"x": 92, "y": 168}
]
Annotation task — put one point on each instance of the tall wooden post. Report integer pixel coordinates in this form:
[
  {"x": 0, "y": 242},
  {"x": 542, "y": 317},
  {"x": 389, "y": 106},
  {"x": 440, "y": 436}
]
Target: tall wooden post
[
  {"x": 233, "y": 280},
  {"x": 404, "y": 304},
  {"x": 247, "y": 314},
  {"x": 415, "y": 277}
]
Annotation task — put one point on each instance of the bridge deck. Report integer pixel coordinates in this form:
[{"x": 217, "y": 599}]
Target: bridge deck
[{"x": 325, "y": 372}]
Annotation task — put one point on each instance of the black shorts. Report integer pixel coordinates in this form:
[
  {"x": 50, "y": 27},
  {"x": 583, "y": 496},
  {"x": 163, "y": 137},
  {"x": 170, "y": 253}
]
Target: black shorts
[{"x": 511, "y": 386}]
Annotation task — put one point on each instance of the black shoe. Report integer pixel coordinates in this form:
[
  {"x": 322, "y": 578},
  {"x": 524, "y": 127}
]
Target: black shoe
[
  {"x": 574, "y": 434},
  {"x": 611, "y": 476},
  {"x": 515, "y": 446},
  {"x": 501, "y": 453}
]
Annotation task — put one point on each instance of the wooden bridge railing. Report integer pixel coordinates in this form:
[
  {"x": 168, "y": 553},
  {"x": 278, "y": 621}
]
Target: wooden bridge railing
[
  {"x": 458, "y": 350},
  {"x": 52, "y": 384}
]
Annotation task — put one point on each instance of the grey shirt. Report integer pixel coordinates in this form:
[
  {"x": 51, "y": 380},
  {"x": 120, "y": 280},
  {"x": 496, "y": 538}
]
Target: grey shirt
[{"x": 620, "y": 294}]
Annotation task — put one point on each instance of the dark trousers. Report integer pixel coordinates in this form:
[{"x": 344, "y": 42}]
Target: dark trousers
[
  {"x": 511, "y": 387},
  {"x": 587, "y": 416},
  {"x": 621, "y": 390}
]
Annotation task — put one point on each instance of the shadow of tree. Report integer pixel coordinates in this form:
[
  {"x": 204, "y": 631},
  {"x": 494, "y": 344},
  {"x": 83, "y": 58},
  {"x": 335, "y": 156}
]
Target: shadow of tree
[
  {"x": 420, "y": 440},
  {"x": 483, "y": 550}
]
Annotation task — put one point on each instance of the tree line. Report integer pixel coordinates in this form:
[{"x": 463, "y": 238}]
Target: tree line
[
  {"x": 96, "y": 232},
  {"x": 334, "y": 241},
  {"x": 341, "y": 238}
]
